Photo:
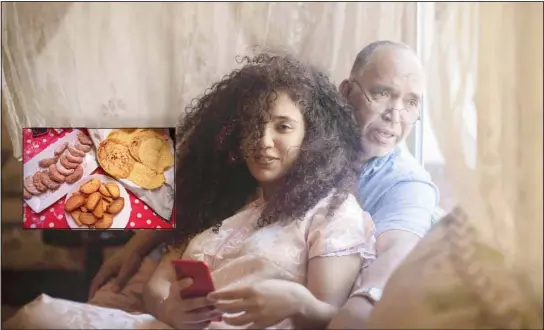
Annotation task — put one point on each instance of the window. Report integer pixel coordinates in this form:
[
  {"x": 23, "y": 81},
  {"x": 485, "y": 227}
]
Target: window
[{"x": 424, "y": 145}]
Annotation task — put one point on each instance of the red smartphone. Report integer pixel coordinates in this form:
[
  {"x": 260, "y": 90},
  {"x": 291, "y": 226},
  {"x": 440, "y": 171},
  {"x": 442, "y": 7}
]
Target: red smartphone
[
  {"x": 202, "y": 279},
  {"x": 199, "y": 272}
]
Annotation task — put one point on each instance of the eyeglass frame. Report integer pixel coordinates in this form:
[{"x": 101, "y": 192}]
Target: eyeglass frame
[{"x": 386, "y": 111}]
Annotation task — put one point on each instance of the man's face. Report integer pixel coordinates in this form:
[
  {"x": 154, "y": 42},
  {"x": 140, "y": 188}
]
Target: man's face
[{"x": 386, "y": 94}]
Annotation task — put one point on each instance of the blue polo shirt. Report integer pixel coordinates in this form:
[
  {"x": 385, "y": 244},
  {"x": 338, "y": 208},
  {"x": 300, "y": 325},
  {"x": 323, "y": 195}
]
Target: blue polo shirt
[{"x": 397, "y": 193}]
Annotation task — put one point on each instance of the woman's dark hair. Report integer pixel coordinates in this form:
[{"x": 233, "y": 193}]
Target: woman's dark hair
[{"x": 212, "y": 179}]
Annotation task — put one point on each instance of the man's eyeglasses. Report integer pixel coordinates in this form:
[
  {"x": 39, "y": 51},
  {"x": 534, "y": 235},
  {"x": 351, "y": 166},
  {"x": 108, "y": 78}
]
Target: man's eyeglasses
[{"x": 383, "y": 105}]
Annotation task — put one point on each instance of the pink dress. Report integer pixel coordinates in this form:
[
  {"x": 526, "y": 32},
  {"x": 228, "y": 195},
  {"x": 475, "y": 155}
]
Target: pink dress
[{"x": 244, "y": 253}]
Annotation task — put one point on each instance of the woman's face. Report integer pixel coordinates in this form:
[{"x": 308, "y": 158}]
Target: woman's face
[{"x": 280, "y": 144}]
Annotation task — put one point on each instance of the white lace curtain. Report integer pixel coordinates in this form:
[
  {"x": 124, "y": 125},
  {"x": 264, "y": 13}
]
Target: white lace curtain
[
  {"x": 500, "y": 47},
  {"x": 504, "y": 193},
  {"x": 139, "y": 64},
  {"x": 455, "y": 278}
]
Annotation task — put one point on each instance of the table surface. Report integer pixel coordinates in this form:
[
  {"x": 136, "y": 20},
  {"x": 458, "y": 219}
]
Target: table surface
[{"x": 53, "y": 217}]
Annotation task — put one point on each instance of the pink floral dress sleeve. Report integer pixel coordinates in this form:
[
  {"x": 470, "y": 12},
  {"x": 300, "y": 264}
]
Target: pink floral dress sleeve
[{"x": 349, "y": 230}]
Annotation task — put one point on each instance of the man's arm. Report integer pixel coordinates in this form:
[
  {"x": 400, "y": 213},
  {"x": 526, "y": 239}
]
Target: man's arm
[
  {"x": 126, "y": 262},
  {"x": 329, "y": 289},
  {"x": 405, "y": 216},
  {"x": 392, "y": 247},
  {"x": 146, "y": 240}
]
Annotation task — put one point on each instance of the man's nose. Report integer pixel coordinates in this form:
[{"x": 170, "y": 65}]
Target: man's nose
[{"x": 393, "y": 112}]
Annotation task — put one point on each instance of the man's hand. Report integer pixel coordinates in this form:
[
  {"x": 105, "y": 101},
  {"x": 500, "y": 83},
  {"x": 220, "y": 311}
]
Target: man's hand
[
  {"x": 351, "y": 316},
  {"x": 126, "y": 262},
  {"x": 121, "y": 266},
  {"x": 392, "y": 248}
]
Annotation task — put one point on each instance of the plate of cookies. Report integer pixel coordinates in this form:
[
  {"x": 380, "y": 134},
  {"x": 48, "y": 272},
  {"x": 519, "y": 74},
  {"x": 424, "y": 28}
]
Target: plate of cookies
[
  {"x": 99, "y": 202},
  {"x": 57, "y": 169}
]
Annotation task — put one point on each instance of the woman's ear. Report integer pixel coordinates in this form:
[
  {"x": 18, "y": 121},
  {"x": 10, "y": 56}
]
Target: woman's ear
[{"x": 345, "y": 88}]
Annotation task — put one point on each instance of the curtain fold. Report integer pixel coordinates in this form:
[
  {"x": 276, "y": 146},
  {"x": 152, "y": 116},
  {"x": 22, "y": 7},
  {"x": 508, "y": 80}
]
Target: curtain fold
[{"x": 481, "y": 267}]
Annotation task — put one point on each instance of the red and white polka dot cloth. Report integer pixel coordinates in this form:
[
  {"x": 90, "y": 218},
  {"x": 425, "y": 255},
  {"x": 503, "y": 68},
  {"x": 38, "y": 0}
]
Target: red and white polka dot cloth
[{"x": 141, "y": 217}]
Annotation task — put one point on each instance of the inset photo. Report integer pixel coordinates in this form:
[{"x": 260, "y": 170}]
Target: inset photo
[{"x": 77, "y": 178}]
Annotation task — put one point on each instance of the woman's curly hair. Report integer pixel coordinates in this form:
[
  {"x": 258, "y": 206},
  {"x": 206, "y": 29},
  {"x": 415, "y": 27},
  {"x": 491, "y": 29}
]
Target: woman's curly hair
[{"x": 212, "y": 179}]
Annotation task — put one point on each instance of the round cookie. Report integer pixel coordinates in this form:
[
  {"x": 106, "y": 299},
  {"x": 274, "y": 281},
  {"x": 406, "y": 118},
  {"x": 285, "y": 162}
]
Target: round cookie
[
  {"x": 138, "y": 138},
  {"x": 155, "y": 153},
  {"x": 146, "y": 177},
  {"x": 114, "y": 157},
  {"x": 105, "y": 222}
]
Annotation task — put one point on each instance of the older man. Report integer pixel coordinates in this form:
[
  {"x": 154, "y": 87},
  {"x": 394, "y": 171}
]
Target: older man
[{"x": 385, "y": 87}]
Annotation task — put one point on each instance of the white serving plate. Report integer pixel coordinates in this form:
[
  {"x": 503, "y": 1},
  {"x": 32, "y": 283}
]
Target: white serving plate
[
  {"x": 120, "y": 220},
  {"x": 43, "y": 201}
]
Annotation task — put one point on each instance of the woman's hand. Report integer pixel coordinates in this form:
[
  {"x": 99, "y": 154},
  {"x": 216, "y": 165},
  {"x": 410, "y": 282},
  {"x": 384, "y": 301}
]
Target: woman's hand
[
  {"x": 263, "y": 303},
  {"x": 191, "y": 313}
]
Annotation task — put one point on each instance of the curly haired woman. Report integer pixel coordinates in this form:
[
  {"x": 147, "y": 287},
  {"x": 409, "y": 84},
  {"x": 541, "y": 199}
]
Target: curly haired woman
[{"x": 264, "y": 171}]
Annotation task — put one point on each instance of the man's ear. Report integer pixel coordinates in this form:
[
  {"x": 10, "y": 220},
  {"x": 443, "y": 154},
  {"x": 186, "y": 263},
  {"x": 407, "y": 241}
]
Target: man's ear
[{"x": 345, "y": 88}]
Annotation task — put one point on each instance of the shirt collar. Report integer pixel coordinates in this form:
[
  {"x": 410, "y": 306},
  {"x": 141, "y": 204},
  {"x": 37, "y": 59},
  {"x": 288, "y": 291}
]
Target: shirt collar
[{"x": 376, "y": 163}]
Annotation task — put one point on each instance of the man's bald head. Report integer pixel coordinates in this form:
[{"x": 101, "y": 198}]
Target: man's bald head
[
  {"x": 385, "y": 88},
  {"x": 364, "y": 55}
]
